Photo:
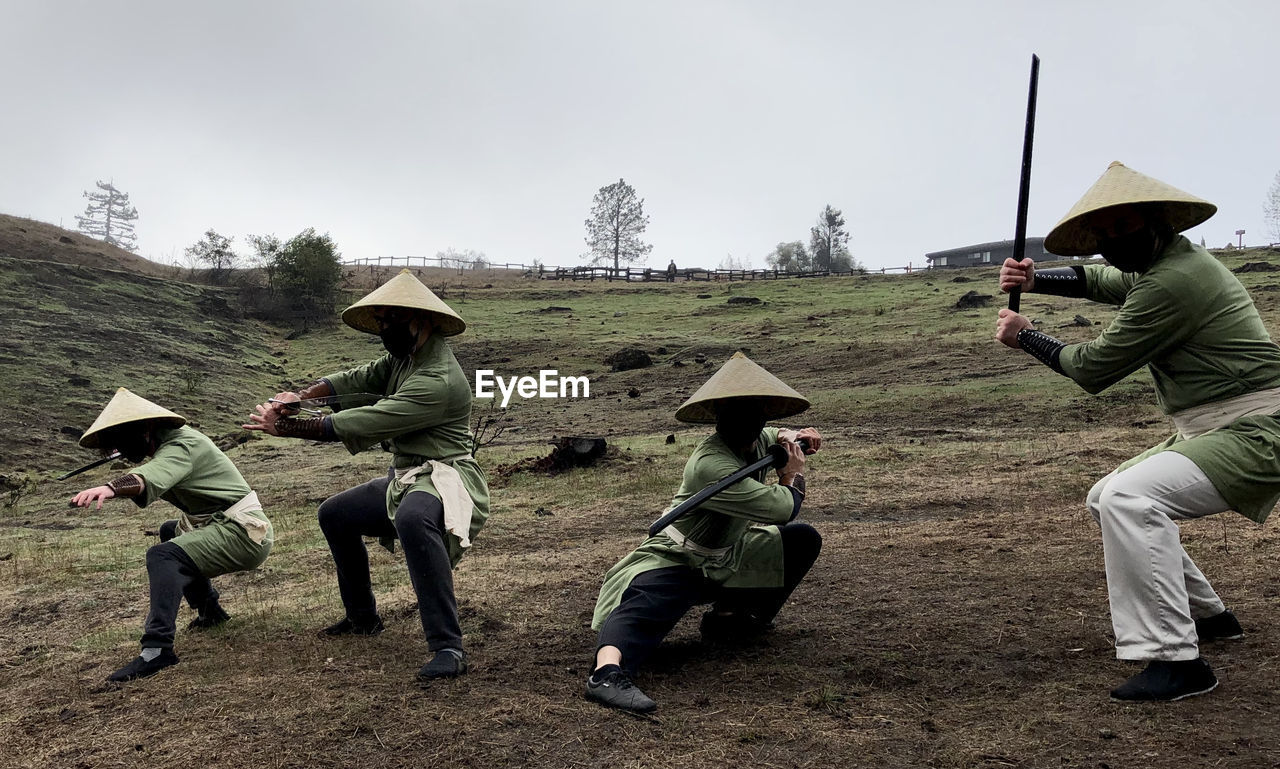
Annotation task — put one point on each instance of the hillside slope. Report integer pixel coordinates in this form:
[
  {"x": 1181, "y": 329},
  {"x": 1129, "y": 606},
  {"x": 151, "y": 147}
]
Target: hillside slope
[
  {"x": 74, "y": 333},
  {"x": 34, "y": 240}
]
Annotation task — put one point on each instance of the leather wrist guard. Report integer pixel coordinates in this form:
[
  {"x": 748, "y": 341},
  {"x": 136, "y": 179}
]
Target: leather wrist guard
[
  {"x": 312, "y": 428},
  {"x": 1061, "y": 281},
  {"x": 128, "y": 485},
  {"x": 797, "y": 483},
  {"x": 1042, "y": 347}
]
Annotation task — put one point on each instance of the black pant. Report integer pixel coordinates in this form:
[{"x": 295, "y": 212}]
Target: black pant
[
  {"x": 359, "y": 512},
  {"x": 172, "y": 574},
  {"x": 656, "y": 600}
]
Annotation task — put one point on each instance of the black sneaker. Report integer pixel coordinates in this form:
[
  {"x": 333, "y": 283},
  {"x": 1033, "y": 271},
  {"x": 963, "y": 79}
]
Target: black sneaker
[
  {"x": 1219, "y": 627},
  {"x": 1166, "y": 681},
  {"x": 615, "y": 690},
  {"x": 212, "y": 616},
  {"x": 349, "y": 627},
  {"x": 446, "y": 664},
  {"x": 736, "y": 627},
  {"x": 141, "y": 668}
]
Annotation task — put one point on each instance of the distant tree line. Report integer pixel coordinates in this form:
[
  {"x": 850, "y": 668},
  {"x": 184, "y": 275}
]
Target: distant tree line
[
  {"x": 828, "y": 249},
  {"x": 302, "y": 273}
]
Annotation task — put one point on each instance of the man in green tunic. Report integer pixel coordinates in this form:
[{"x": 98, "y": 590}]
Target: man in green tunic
[
  {"x": 435, "y": 497},
  {"x": 1217, "y": 375},
  {"x": 222, "y": 528},
  {"x": 741, "y": 551}
]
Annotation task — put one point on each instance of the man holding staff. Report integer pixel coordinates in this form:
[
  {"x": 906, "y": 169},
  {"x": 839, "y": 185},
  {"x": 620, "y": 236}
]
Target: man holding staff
[
  {"x": 1217, "y": 375},
  {"x": 435, "y": 498},
  {"x": 741, "y": 551},
  {"x": 222, "y": 528}
]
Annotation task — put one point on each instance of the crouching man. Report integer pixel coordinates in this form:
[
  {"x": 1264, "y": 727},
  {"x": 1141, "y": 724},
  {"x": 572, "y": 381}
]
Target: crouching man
[
  {"x": 1191, "y": 323},
  {"x": 742, "y": 551},
  {"x": 222, "y": 528}
]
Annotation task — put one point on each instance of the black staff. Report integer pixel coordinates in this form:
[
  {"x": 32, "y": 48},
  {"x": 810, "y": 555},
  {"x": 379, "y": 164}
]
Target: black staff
[{"x": 1024, "y": 188}]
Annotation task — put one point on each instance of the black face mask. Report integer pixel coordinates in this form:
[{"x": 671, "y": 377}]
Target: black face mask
[
  {"x": 398, "y": 340},
  {"x": 133, "y": 445},
  {"x": 1135, "y": 252},
  {"x": 739, "y": 427}
]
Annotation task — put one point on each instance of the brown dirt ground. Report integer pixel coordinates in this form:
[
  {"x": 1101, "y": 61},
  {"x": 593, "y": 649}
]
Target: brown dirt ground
[{"x": 952, "y": 620}]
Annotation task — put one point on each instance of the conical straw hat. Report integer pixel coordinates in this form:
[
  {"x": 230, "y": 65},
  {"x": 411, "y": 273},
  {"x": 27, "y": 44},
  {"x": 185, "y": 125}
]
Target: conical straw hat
[
  {"x": 1120, "y": 185},
  {"x": 740, "y": 377},
  {"x": 126, "y": 407},
  {"x": 404, "y": 290}
]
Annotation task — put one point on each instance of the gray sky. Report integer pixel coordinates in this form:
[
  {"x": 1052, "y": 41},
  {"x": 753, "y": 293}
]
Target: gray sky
[{"x": 411, "y": 127}]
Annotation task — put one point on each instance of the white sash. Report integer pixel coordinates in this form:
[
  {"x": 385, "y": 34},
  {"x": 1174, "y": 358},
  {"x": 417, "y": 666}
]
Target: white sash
[
  {"x": 258, "y": 530},
  {"x": 1208, "y": 417},
  {"x": 694, "y": 547},
  {"x": 453, "y": 494}
]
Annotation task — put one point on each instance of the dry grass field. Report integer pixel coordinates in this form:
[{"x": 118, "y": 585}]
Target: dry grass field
[{"x": 957, "y": 616}]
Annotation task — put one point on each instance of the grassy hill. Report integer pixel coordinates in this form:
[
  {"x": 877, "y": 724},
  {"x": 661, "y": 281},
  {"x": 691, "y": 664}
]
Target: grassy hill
[{"x": 957, "y": 616}]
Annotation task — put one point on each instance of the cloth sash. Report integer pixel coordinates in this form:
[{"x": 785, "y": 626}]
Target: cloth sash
[
  {"x": 258, "y": 530},
  {"x": 453, "y": 494},
  {"x": 1207, "y": 417},
  {"x": 693, "y": 547}
]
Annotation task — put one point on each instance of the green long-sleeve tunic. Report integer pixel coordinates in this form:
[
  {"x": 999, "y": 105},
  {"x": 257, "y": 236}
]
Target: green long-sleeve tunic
[
  {"x": 1194, "y": 327},
  {"x": 193, "y": 475},
  {"x": 742, "y": 518},
  {"x": 425, "y": 415}
]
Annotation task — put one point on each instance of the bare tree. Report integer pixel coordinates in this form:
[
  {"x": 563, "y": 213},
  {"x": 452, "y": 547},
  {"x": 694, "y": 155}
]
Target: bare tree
[
  {"x": 109, "y": 217},
  {"x": 1271, "y": 210},
  {"x": 616, "y": 224}
]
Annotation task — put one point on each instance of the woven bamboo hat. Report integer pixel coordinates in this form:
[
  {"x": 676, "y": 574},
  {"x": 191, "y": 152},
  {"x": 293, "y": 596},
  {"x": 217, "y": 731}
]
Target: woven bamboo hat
[
  {"x": 740, "y": 377},
  {"x": 404, "y": 290},
  {"x": 1119, "y": 186},
  {"x": 125, "y": 407}
]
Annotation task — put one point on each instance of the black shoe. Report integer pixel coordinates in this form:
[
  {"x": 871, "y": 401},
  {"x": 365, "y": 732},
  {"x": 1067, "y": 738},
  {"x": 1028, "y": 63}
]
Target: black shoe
[
  {"x": 212, "y": 616},
  {"x": 1167, "y": 681},
  {"x": 349, "y": 627},
  {"x": 446, "y": 664},
  {"x": 737, "y": 627},
  {"x": 140, "y": 668},
  {"x": 615, "y": 690},
  {"x": 1219, "y": 627}
]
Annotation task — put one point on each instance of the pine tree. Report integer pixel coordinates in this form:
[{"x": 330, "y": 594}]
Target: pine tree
[
  {"x": 829, "y": 242},
  {"x": 109, "y": 217},
  {"x": 616, "y": 224}
]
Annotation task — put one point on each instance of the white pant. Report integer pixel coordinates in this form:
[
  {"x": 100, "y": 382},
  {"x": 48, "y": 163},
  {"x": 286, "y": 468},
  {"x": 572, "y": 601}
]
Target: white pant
[{"x": 1156, "y": 591}]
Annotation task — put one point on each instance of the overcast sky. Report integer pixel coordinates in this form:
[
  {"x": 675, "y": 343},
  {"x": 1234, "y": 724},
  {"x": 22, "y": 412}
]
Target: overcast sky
[{"x": 412, "y": 127}]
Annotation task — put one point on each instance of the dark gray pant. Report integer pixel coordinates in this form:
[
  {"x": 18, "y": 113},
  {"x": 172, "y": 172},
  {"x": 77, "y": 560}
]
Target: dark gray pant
[
  {"x": 348, "y": 517},
  {"x": 172, "y": 575},
  {"x": 656, "y": 600}
]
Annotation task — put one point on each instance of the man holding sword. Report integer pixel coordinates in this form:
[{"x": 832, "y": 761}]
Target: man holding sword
[
  {"x": 1186, "y": 318},
  {"x": 741, "y": 550}
]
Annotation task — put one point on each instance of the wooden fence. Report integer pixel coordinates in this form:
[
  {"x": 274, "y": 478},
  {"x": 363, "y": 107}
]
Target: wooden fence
[{"x": 586, "y": 272}]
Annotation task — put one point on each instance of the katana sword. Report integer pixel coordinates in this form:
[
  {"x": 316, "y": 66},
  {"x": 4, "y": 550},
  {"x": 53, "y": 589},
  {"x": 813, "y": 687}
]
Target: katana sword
[
  {"x": 359, "y": 399},
  {"x": 90, "y": 466},
  {"x": 1024, "y": 187},
  {"x": 776, "y": 457}
]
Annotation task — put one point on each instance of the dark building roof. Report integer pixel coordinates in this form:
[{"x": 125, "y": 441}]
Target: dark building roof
[{"x": 995, "y": 252}]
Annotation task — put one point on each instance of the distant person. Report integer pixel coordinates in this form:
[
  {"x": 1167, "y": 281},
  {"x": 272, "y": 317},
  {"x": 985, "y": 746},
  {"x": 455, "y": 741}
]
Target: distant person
[
  {"x": 1217, "y": 375},
  {"x": 434, "y": 498},
  {"x": 742, "y": 551},
  {"x": 222, "y": 528},
  {"x": 671, "y": 271}
]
